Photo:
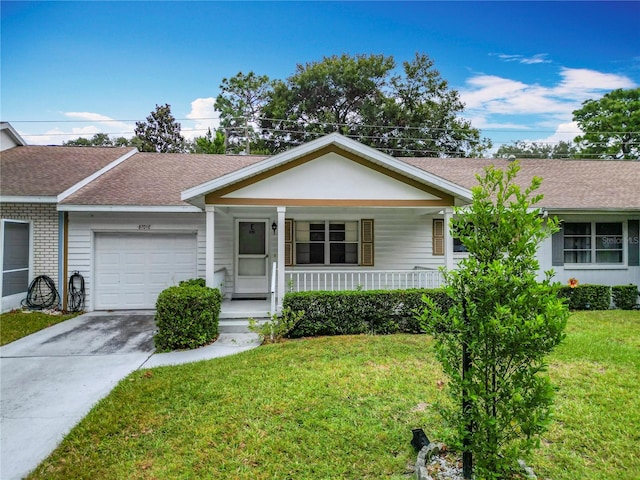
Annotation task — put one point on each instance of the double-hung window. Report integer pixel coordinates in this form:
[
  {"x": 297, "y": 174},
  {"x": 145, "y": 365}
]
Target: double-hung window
[
  {"x": 593, "y": 243},
  {"x": 326, "y": 242}
]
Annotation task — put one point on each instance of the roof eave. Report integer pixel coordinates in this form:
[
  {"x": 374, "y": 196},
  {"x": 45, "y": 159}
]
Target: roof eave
[
  {"x": 28, "y": 199},
  {"x": 130, "y": 208}
]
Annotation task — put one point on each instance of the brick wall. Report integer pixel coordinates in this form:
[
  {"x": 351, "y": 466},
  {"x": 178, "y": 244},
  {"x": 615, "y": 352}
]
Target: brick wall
[{"x": 44, "y": 221}]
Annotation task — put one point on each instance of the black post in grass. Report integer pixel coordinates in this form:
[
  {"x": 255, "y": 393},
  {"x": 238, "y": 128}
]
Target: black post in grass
[{"x": 467, "y": 456}]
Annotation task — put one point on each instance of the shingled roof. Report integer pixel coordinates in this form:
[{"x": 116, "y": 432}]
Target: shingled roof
[
  {"x": 43, "y": 171},
  {"x": 566, "y": 184},
  {"x": 157, "y": 179}
]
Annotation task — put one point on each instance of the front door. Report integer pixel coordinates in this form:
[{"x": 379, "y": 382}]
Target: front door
[{"x": 252, "y": 257}]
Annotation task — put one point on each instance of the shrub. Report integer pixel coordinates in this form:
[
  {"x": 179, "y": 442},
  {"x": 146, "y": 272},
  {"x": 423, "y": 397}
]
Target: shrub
[
  {"x": 277, "y": 327},
  {"x": 356, "y": 312},
  {"x": 625, "y": 296},
  {"x": 587, "y": 297},
  {"x": 193, "y": 282},
  {"x": 186, "y": 317}
]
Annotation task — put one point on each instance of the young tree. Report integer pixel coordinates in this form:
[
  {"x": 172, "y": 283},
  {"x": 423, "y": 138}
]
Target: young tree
[
  {"x": 161, "y": 133},
  {"x": 492, "y": 343},
  {"x": 611, "y": 125}
]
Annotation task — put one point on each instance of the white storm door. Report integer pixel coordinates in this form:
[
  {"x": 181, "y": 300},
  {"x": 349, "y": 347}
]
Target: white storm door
[{"x": 252, "y": 257}]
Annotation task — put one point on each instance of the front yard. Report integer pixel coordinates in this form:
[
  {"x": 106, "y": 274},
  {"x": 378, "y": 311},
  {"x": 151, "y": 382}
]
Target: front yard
[
  {"x": 344, "y": 407},
  {"x": 18, "y": 324}
]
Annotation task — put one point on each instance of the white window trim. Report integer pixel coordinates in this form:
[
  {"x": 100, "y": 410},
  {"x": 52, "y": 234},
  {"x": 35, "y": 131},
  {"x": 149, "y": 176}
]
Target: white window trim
[
  {"x": 601, "y": 266},
  {"x": 327, "y": 244}
]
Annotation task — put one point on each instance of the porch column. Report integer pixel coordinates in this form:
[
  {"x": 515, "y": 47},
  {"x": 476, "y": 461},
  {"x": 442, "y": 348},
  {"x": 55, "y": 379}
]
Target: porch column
[
  {"x": 280, "y": 279},
  {"x": 209, "y": 241},
  {"x": 448, "y": 239}
]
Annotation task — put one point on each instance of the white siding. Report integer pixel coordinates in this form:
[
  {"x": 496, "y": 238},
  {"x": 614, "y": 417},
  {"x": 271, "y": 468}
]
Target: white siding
[
  {"x": 403, "y": 237},
  {"x": 83, "y": 226}
]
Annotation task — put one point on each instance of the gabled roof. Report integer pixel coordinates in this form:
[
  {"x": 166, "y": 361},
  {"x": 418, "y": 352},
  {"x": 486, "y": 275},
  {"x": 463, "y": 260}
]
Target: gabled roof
[
  {"x": 44, "y": 173},
  {"x": 154, "y": 180},
  {"x": 566, "y": 184},
  {"x": 338, "y": 142},
  {"x": 14, "y": 137}
]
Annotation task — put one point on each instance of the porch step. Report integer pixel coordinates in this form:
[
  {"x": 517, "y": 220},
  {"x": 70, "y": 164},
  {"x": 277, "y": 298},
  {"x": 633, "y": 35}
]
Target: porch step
[{"x": 229, "y": 325}]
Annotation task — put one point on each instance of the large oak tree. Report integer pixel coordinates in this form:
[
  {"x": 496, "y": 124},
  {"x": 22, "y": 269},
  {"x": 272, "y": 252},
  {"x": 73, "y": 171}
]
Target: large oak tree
[
  {"x": 412, "y": 113},
  {"x": 611, "y": 126}
]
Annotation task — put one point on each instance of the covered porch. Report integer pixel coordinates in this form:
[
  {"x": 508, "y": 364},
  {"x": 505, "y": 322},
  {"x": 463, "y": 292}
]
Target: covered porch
[{"x": 331, "y": 214}]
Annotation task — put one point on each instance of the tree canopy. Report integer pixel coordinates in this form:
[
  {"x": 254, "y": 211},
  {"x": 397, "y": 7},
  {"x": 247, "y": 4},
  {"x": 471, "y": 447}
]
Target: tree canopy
[
  {"x": 522, "y": 149},
  {"x": 413, "y": 113},
  {"x": 209, "y": 143},
  {"x": 161, "y": 132},
  {"x": 611, "y": 126}
]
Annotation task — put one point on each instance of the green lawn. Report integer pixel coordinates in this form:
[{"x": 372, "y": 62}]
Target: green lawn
[
  {"x": 15, "y": 325},
  {"x": 344, "y": 407}
]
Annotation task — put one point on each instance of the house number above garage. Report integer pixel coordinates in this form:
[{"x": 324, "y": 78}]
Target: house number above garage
[{"x": 144, "y": 227}]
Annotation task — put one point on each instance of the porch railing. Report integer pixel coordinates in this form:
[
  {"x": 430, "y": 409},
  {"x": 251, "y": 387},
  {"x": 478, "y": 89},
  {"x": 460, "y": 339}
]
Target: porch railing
[
  {"x": 273, "y": 290},
  {"x": 334, "y": 280}
]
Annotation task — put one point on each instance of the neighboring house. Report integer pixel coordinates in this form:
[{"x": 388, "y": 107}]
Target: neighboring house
[
  {"x": 329, "y": 214},
  {"x": 33, "y": 180}
]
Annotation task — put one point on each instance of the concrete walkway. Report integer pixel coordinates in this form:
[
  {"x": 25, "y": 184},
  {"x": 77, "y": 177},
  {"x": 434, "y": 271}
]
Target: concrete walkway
[{"x": 50, "y": 380}]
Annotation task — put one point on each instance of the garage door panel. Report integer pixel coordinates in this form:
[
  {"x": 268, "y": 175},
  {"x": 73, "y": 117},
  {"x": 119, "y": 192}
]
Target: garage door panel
[{"x": 132, "y": 269}]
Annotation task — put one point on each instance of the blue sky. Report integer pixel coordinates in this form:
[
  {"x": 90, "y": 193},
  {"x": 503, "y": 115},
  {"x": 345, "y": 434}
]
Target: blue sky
[{"x": 77, "y": 68}]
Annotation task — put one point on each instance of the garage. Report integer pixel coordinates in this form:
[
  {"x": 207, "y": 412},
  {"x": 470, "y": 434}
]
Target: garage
[{"x": 133, "y": 268}]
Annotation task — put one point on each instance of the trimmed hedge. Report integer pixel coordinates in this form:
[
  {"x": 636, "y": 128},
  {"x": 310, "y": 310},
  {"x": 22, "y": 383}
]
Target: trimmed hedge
[
  {"x": 587, "y": 297},
  {"x": 186, "y": 316},
  {"x": 356, "y": 312},
  {"x": 625, "y": 297}
]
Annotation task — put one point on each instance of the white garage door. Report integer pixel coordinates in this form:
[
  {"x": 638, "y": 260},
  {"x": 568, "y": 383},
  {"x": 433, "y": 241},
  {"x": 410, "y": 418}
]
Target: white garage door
[{"x": 132, "y": 269}]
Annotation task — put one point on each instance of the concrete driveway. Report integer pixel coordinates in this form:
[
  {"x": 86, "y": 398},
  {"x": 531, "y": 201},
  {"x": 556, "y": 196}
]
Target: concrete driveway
[{"x": 50, "y": 380}]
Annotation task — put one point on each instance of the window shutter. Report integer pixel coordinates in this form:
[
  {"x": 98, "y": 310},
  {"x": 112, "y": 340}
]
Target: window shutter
[
  {"x": 438, "y": 236},
  {"x": 557, "y": 247},
  {"x": 288, "y": 242},
  {"x": 366, "y": 242},
  {"x": 634, "y": 243}
]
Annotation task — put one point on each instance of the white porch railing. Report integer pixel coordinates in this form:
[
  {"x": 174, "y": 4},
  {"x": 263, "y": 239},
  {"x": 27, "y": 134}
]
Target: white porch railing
[
  {"x": 273, "y": 290},
  {"x": 311, "y": 280}
]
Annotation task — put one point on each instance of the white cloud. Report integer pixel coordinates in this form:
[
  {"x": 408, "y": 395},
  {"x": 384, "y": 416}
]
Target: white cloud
[
  {"x": 565, "y": 132},
  {"x": 204, "y": 116},
  {"x": 537, "y": 58},
  {"x": 582, "y": 83},
  {"x": 496, "y": 103},
  {"x": 114, "y": 128}
]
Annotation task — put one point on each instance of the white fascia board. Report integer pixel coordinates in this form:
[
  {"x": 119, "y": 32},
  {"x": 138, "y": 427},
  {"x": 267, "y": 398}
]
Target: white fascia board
[
  {"x": 28, "y": 199},
  {"x": 13, "y": 133},
  {"x": 343, "y": 142},
  {"x": 74, "y": 188},
  {"x": 130, "y": 208}
]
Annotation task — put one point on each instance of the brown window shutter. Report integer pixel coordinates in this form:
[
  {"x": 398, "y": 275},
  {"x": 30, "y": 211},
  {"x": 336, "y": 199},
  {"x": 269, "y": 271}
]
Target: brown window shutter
[
  {"x": 288, "y": 242},
  {"x": 366, "y": 242},
  {"x": 438, "y": 236}
]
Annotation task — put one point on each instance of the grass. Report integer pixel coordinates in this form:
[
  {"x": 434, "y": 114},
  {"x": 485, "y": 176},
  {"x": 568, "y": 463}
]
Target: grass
[
  {"x": 18, "y": 324},
  {"x": 344, "y": 407}
]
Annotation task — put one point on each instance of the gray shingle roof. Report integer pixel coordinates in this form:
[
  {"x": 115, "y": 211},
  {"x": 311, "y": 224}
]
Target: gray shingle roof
[
  {"x": 157, "y": 178},
  {"x": 566, "y": 184},
  {"x": 153, "y": 179},
  {"x": 49, "y": 171}
]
